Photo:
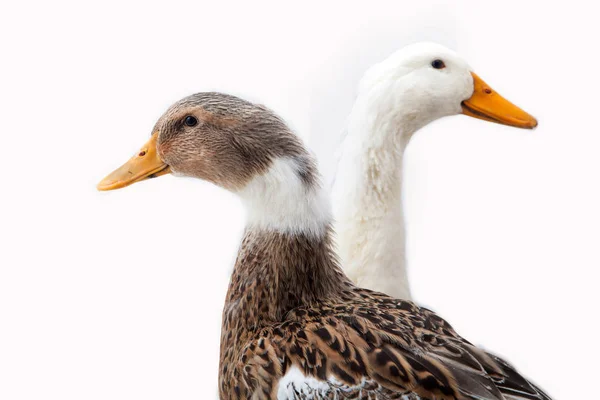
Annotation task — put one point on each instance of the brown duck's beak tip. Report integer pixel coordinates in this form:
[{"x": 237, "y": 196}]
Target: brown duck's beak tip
[
  {"x": 145, "y": 165},
  {"x": 111, "y": 183},
  {"x": 123, "y": 177},
  {"x": 106, "y": 185},
  {"x": 102, "y": 187}
]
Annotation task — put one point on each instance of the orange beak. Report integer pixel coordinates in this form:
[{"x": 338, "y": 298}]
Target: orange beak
[
  {"x": 488, "y": 105},
  {"x": 145, "y": 165}
]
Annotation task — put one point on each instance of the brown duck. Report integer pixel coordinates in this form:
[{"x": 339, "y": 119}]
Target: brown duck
[{"x": 294, "y": 326}]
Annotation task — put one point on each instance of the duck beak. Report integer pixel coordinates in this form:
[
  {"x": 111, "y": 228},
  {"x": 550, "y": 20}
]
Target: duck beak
[
  {"x": 146, "y": 164},
  {"x": 488, "y": 105}
]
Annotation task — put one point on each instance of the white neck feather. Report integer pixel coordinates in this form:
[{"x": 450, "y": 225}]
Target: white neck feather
[
  {"x": 367, "y": 194},
  {"x": 279, "y": 200}
]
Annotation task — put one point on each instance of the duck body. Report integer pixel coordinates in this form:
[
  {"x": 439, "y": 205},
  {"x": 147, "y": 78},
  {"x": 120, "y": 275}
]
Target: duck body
[
  {"x": 286, "y": 338},
  {"x": 294, "y": 326}
]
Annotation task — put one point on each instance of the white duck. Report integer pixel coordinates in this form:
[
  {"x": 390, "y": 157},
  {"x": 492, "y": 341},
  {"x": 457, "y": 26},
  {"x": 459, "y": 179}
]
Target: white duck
[{"x": 413, "y": 87}]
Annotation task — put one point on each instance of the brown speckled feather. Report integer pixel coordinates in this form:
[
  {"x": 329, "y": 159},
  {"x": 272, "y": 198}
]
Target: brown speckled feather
[{"x": 290, "y": 306}]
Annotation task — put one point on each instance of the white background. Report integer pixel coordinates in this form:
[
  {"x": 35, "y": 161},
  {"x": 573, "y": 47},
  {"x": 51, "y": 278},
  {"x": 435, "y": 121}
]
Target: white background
[{"x": 118, "y": 295}]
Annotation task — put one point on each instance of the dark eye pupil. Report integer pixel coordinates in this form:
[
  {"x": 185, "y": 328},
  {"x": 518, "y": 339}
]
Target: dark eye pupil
[
  {"x": 190, "y": 121},
  {"x": 438, "y": 64}
]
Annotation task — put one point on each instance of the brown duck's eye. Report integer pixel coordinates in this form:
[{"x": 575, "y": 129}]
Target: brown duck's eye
[
  {"x": 438, "y": 64},
  {"x": 190, "y": 121}
]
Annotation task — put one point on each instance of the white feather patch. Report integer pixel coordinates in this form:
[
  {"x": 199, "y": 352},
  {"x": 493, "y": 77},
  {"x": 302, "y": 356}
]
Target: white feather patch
[
  {"x": 294, "y": 381},
  {"x": 295, "y": 385},
  {"x": 279, "y": 200}
]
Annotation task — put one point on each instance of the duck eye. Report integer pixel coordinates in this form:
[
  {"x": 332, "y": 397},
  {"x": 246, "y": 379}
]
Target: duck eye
[
  {"x": 438, "y": 64},
  {"x": 190, "y": 121}
]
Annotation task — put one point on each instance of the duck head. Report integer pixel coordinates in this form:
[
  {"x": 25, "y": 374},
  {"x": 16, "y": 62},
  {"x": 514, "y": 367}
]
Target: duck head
[
  {"x": 215, "y": 137},
  {"x": 424, "y": 82}
]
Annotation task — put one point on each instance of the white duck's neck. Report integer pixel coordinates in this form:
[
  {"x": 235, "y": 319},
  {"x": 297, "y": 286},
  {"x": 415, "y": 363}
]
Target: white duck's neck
[{"x": 367, "y": 197}]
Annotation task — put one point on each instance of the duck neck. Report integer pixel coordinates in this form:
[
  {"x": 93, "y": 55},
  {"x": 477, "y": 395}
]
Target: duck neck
[
  {"x": 367, "y": 198},
  {"x": 286, "y": 259},
  {"x": 276, "y": 272}
]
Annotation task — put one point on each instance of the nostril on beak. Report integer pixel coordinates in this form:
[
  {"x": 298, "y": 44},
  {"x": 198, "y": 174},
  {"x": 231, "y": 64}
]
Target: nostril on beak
[
  {"x": 488, "y": 91},
  {"x": 142, "y": 153}
]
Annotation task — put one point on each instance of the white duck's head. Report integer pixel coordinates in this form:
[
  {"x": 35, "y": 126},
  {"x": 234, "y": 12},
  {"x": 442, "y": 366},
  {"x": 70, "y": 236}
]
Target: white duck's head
[{"x": 424, "y": 82}]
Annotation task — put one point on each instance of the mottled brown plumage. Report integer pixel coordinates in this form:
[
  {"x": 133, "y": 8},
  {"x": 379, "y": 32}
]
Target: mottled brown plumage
[
  {"x": 294, "y": 326},
  {"x": 289, "y": 305}
]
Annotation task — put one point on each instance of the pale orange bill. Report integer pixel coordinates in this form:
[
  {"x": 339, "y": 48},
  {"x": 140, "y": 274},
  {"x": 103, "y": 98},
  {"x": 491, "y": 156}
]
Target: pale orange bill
[
  {"x": 488, "y": 105},
  {"x": 144, "y": 165}
]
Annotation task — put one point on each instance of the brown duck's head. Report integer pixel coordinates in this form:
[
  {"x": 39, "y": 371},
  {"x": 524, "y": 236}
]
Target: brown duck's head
[{"x": 215, "y": 137}]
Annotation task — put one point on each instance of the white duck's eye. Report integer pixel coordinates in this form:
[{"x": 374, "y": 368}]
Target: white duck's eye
[
  {"x": 438, "y": 64},
  {"x": 190, "y": 121}
]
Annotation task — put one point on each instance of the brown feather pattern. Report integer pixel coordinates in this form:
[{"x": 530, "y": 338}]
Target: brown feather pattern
[{"x": 289, "y": 304}]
